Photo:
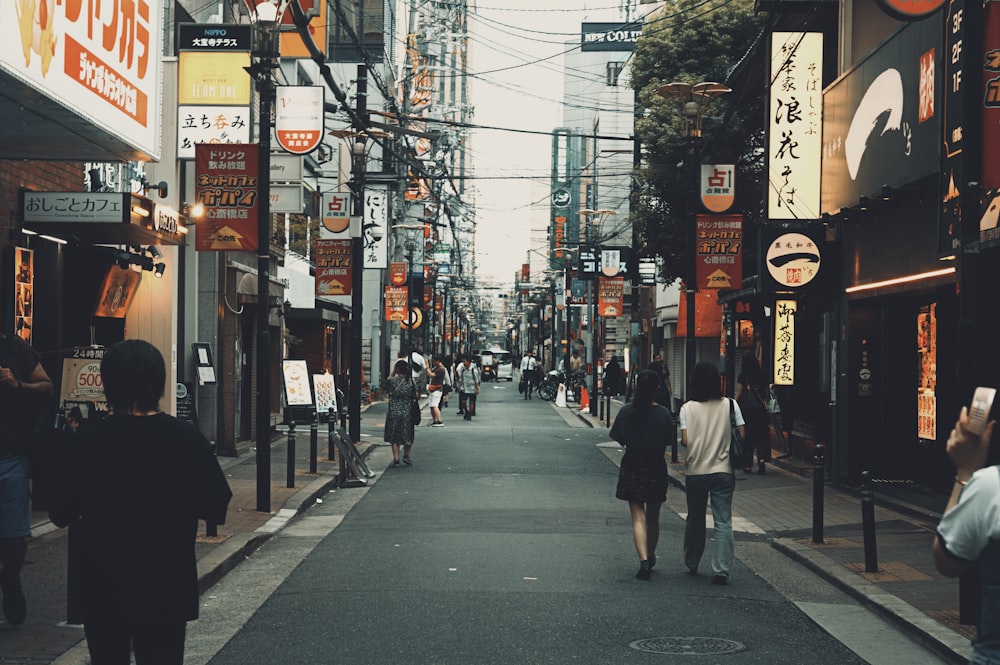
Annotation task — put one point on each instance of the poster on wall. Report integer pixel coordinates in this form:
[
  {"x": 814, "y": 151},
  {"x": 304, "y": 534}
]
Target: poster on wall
[
  {"x": 24, "y": 291},
  {"x": 927, "y": 373},
  {"x": 81, "y": 386}
]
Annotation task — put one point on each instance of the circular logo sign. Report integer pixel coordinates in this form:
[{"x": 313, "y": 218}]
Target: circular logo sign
[
  {"x": 416, "y": 317},
  {"x": 561, "y": 198},
  {"x": 793, "y": 260},
  {"x": 910, "y": 10}
]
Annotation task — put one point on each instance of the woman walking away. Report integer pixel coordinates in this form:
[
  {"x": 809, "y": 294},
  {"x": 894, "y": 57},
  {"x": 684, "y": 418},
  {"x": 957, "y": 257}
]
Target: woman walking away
[
  {"x": 139, "y": 481},
  {"x": 705, "y": 432},
  {"x": 643, "y": 427},
  {"x": 751, "y": 394},
  {"x": 399, "y": 419}
]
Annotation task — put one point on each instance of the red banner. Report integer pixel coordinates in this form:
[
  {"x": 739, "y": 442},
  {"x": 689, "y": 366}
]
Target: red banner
[
  {"x": 719, "y": 244},
  {"x": 333, "y": 267},
  {"x": 226, "y": 183},
  {"x": 610, "y": 296},
  {"x": 396, "y": 303},
  {"x": 397, "y": 273}
]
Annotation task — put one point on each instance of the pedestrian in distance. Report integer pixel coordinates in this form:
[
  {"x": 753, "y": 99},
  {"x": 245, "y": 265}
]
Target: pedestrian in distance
[
  {"x": 468, "y": 386},
  {"x": 705, "y": 433},
  {"x": 752, "y": 393},
  {"x": 437, "y": 379},
  {"x": 968, "y": 535},
  {"x": 643, "y": 427},
  {"x": 454, "y": 382},
  {"x": 136, "y": 483},
  {"x": 24, "y": 388},
  {"x": 399, "y": 429},
  {"x": 664, "y": 394},
  {"x": 614, "y": 377},
  {"x": 529, "y": 371},
  {"x": 448, "y": 381}
]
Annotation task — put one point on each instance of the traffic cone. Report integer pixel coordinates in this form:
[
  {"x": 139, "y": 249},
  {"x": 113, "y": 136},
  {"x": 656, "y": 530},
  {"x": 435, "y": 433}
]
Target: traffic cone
[
  {"x": 561, "y": 395},
  {"x": 584, "y": 399}
]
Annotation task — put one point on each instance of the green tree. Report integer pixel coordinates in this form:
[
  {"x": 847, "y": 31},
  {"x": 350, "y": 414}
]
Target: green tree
[{"x": 693, "y": 41}]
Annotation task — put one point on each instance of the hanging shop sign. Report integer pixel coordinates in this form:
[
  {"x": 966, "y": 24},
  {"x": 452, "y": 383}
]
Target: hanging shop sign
[
  {"x": 374, "y": 229},
  {"x": 927, "y": 372},
  {"x": 719, "y": 251},
  {"x": 610, "y": 296},
  {"x": 336, "y": 215},
  {"x": 718, "y": 187},
  {"x": 784, "y": 342},
  {"x": 226, "y": 182},
  {"x": 333, "y": 267},
  {"x": 397, "y": 273},
  {"x": 117, "y": 292},
  {"x": 792, "y": 260},
  {"x": 112, "y": 218},
  {"x": 298, "y": 117},
  {"x": 396, "y": 303},
  {"x": 795, "y": 125},
  {"x": 910, "y": 10}
]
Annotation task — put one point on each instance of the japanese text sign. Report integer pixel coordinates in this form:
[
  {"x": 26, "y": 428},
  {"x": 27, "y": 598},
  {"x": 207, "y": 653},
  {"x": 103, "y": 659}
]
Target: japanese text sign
[
  {"x": 333, "y": 267},
  {"x": 719, "y": 247},
  {"x": 610, "y": 296},
  {"x": 227, "y": 184},
  {"x": 784, "y": 342},
  {"x": 396, "y": 303}
]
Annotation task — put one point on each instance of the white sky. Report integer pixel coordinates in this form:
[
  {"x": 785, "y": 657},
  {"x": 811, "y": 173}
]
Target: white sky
[{"x": 507, "y": 35}]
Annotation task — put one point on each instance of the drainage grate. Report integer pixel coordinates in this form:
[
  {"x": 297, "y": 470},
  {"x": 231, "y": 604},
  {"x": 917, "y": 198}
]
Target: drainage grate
[{"x": 687, "y": 646}]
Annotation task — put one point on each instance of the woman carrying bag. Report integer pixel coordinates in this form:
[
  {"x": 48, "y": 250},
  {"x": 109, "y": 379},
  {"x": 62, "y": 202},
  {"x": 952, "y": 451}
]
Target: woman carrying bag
[
  {"x": 706, "y": 432},
  {"x": 399, "y": 419},
  {"x": 643, "y": 427}
]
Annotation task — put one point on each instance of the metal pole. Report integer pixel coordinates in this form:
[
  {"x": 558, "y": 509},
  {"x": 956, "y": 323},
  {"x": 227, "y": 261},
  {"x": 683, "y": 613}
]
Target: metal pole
[
  {"x": 868, "y": 523},
  {"x": 331, "y": 427},
  {"x": 290, "y": 458},
  {"x": 313, "y": 443},
  {"x": 357, "y": 264},
  {"x": 267, "y": 44},
  {"x": 692, "y": 280},
  {"x": 819, "y": 475}
]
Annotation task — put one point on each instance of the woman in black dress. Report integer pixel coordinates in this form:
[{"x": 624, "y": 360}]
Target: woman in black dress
[
  {"x": 399, "y": 419},
  {"x": 643, "y": 427},
  {"x": 752, "y": 393}
]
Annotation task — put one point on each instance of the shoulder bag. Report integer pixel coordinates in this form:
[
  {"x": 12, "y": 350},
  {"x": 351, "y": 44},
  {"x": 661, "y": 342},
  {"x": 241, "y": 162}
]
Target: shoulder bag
[
  {"x": 415, "y": 406},
  {"x": 735, "y": 440}
]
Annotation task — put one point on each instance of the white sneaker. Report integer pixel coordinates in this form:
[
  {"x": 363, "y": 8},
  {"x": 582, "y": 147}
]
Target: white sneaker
[{"x": 437, "y": 424}]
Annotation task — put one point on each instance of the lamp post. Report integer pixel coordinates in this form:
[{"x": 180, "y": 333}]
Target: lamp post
[
  {"x": 594, "y": 242},
  {"x": 266, "y": 19},
  {"x": 692, "y": 101}
]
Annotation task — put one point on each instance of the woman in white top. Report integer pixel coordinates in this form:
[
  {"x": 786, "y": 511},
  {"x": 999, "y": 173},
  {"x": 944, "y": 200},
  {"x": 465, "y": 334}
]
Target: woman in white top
[{"x": 705, "y": 433}]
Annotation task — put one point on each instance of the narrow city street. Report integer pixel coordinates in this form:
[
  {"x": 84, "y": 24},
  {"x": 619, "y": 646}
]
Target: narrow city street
[{"x": 503, "y": 543}]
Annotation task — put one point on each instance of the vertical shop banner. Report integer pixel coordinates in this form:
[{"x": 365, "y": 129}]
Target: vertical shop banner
[
  {"x": 784, "y": 342},
  {"x": 927, "y": 373},
  {"x": 298, "y": 117},
  {"x": 374, "y": 225},
  {"x": 610, "y": 296},
  {"x": 226, "y": 182},
  {"x": 397, "y": 273},
  {"x": 719, "y": 256},
  {"x": 333, "y": 267},
  {"x": 397, "y": 300},
  {"x": 795, "y": 125},
  {"x": 24, "y": 291}
]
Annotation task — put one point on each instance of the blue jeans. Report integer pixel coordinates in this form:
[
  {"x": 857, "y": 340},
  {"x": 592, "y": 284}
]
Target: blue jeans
[{"x": 717, "y": 487}]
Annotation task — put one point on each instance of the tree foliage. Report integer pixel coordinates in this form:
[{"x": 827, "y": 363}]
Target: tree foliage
[{"x": 693, "y": 41}]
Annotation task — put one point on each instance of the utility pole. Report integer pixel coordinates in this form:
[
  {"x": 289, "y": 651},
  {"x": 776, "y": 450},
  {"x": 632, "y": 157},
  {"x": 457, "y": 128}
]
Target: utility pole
[{"x": 358, "y": 256}]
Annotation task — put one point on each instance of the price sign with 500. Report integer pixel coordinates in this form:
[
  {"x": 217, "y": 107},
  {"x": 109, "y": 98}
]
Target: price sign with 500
[{"x": 88, "y": 382}]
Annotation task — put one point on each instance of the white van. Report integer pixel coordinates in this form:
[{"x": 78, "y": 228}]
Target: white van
[{"x": 503, "y": 363}]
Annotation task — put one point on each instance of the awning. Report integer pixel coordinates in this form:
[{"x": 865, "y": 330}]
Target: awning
[{"x": 246, "y": 289}]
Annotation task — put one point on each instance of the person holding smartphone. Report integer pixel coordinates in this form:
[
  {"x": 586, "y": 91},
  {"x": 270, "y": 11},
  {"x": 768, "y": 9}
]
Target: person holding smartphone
[{"x": 968, "y": 536}]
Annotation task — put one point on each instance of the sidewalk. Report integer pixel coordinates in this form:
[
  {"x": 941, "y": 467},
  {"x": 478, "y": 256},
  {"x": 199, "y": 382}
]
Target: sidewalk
[
  {"x": 906, "y": 590},
  {"x": 45, "y": 636}
]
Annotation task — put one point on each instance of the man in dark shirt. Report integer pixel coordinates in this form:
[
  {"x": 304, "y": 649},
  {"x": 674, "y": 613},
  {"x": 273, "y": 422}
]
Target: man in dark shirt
[{"x": 24, "y": 386}]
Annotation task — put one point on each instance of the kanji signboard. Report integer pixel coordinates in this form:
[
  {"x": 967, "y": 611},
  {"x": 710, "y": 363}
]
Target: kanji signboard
[
  {"x": 719, "y": 245},
  {"x": 227, "y": 184}
]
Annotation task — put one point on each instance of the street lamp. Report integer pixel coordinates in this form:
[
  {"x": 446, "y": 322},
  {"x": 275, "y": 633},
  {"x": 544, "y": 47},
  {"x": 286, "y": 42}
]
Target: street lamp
[
  {"x": 692, "y": 102},
  {"x": 266, "y": 18}
]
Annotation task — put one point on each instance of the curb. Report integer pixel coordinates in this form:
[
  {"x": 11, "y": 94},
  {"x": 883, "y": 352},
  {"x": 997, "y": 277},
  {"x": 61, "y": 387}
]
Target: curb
[{"x": 946, "y": 643}]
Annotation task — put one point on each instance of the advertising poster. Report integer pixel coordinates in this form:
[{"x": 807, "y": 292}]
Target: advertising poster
[
  {"x": 610, "y": 296},
  {"x": 24, "y": 291},
  {"x": 927, "y": 372},
  {"x": 325, "y": 390},
  {"x": 297, "y": 390},
  {"x": 396, "y": 300},
  {"x": 117, "y": 292},
  {"x": 226, "y": 183},
  {"x": 719, "y": 244},
  {"x": 333, "y": 267},
  {"x": 81, "y": 385}
]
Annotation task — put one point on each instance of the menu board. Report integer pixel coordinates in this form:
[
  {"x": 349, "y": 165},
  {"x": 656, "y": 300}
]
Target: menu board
[
  {"x": 326, "y": 393},
  {"x": 297, "y": 390},
  {"x": 927, "y": 372}
]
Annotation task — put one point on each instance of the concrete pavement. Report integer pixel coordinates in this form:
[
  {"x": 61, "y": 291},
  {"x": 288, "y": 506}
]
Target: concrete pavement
[
  {"x": 906, "y": 590},
  {"x": 778, "y": 506}
]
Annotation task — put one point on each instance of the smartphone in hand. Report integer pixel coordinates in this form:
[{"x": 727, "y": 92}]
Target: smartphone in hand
[{"x": 979, "y": 410}]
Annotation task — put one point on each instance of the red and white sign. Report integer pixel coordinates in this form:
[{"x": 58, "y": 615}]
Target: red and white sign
[
  {"x": 336, "y": 215},
  {"x": 718, "y": 186},
  {"x": 610, "y": 296},
  {"x": 397, "y": 273},
  {"x": 396, "y": 303},
  {"x": 333, "y": 267},
  {"x": 298, "y": 117}
]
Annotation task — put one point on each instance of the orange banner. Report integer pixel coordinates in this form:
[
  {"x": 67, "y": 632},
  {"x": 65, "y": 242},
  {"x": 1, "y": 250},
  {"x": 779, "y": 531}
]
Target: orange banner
[
  {"x": 333, "y": 267},
  {"x": 396, "y": 301},
  {"x": 610, "y": 296}
]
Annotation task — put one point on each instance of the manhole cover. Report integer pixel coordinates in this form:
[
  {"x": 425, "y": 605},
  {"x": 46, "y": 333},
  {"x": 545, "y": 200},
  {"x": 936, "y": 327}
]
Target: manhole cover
[{"x": 687, "y": 646}]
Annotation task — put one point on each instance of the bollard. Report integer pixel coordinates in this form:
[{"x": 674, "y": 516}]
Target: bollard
[
  {"x": 290, "y": 472},
  {"x": 313, "y": 443},
  {"x": 331, "y": 425},
  {"x": 600, "y": 408},
  {"x": 673, "y": 444},
  {"x": 607, "y": 410},
  {"x": 818, "y": 478},
  {"x": 868, "y": 523},
  {"x": 211, "y": 528}
]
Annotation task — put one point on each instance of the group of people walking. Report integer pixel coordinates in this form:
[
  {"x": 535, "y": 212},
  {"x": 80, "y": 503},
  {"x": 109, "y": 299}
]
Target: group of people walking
[{"x": 404, "y": 390}]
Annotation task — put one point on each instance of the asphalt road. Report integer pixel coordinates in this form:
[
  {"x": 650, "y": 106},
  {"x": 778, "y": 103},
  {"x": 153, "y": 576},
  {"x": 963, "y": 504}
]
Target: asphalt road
[{"x": 504, "y": 544}]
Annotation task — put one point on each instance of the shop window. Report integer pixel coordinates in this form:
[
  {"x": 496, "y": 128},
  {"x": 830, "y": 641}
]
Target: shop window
[{"x": 356, "y": 28}]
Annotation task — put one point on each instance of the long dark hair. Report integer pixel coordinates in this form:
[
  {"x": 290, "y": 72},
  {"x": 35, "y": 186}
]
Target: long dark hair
[
  {"x": 706, "y": 384},
  {"x": 647, "y": 383},
  {"x": 753, "y": 375}
]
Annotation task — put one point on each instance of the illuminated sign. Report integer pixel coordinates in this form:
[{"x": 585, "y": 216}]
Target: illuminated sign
[{"x": 784, "y": 342}]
